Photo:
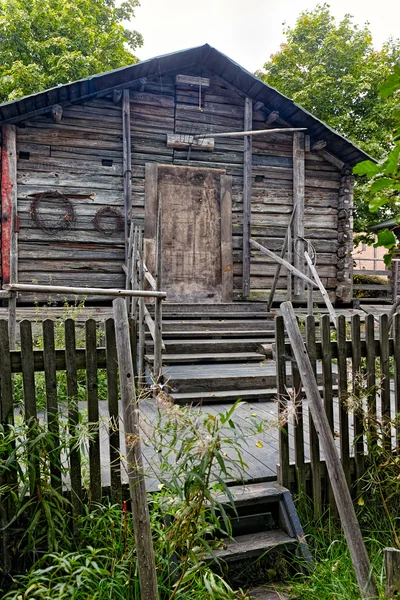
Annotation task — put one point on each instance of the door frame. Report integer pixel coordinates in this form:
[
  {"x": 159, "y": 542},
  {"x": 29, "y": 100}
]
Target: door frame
[{"x": 150, "y": 222}]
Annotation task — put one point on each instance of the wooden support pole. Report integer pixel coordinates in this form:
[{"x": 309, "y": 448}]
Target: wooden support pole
[
  {"x": 337, "y": 478},
  {"x": 321, "y": 288},
  {"x": 282, "y": 261},
  {"x": 82, "y": 291},
  {"x": 392, "y": 569},
  {"x": 127, "y": 168},
  {"x": 249, "y": 131},
  {"x": 298, "y": 202},
  {"x": 9, "y": 239},
  {"x": 247, "y": 170},
  {"x": 226, "y": 238},
  {"x": 137, "y": 487},
  {"x": 288, "y": 237}
]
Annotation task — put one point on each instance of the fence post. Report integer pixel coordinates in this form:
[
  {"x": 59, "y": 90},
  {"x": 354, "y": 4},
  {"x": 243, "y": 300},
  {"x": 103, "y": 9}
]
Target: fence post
[
  {"x": 137, "y": 487},
  {"x": 314, "y": 443},
  {"x": 284, "y": 470},
  {"x": 157, "y": 365}
]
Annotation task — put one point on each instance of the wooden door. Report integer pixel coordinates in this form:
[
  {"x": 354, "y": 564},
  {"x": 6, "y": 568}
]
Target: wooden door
[{"x": 196, "y": 232}]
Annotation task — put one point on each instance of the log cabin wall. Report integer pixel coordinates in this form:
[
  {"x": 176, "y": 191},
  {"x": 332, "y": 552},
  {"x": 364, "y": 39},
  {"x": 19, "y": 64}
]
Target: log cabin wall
[{"x": 82, "y": 156}]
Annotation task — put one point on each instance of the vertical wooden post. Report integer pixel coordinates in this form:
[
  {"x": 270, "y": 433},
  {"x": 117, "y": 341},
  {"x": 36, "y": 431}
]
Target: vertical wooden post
[
  {"x": 127, "y": 168},
  {"x": 141, "y": 327},
  {"x": 247, "y": 171},
  {"x": 341, "y": 491},
  {"x": 343, "y": 396},
  {"x": 392, "y": 569},
  {"x": 315, "y": 458},
  {"x": 298, "y": 201},
  {"x": 157, "y": 367},
  {"x": 344, "y": 274},
  {"x": 9, "y": 241},
  {"x": 137, "y": 487},
  {"x": 396, "y": 360},
  {"x": 385, "y": 380},
  {"x": 283, "y": 471},
  {"x": 356, "y": 390},
  {"x": 309, "y": 286}
]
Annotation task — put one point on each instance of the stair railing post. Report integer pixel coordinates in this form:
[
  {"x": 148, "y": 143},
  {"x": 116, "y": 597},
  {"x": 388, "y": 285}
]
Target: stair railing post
[
  {"x": 141, "y": 328},
  {"x": 157, "y": 365}
]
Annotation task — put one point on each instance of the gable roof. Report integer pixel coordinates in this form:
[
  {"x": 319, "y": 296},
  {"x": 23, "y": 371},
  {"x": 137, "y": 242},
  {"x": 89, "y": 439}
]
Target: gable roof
[{"x": 204, "y": 56}]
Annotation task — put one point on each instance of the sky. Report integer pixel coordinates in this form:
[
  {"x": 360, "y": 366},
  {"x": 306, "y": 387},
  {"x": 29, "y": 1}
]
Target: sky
[{"x": 248, "y": 31}]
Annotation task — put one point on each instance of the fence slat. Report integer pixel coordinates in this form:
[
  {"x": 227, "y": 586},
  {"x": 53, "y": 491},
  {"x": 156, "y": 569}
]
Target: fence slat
[
  {"x": 314, "y": 442},
  {"x": 73, "y": 416},
  {"x": 325, "y": 327},
  {"x": 298, "y": 427},
  {"x": 93, "y": 410},
  {"x": 28, "y": 379},
  {"x": 9, "y": 478},
  {"x": 370, "y": 372},
  {"x": 113, "y": 428},
  {"x": 359, "y": 456},
  {"x": 343, "y": 397},
  {"x": 396, "y": 366},
  {"x": 385, "y": 379},
  {"x": 282, "y": 402},
  {"x": 50, "y": 374}
]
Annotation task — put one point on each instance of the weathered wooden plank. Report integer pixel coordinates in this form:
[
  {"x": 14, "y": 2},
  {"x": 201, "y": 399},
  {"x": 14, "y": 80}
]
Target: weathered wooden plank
[
  {"x": 226, "y": 238},
  {"x": 137, "y": 487},
  {"x": 392, "y": 570},
  {"x": 315, "y": 458},
  {"x": 73, "y": 416},
  {"x": 298, "y": 426},
  {"x": 396, "y": 366},
  {"x": 385, "y": 380},
  {"x": 93, "y": 410},
  {"x": 114, "y": 426},
  {"x": 281, "y": 388},
  {"x": 356, "y": 376},
  {"x": 343, "y": 397},
  {"x": 247, "y": 175},
  {"x": 50, "y": 373},
  {"x": 127, "y": 164},
  {"x": 370, "y": 373},
  {"x": 298, "y": 202}
]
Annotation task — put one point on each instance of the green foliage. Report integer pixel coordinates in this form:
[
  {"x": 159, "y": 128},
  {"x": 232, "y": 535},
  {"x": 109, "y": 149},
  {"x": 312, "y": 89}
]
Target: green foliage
[
  {"x": 333, "y": 70},
  {"x": 384, "y": 177},
  {"x": 44, "y": 43}
]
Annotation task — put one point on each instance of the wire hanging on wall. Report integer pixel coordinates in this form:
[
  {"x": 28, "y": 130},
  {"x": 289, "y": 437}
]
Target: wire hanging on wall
[
  {"x": 52, "y": 211},
  {"x": 108, "y": 220}
]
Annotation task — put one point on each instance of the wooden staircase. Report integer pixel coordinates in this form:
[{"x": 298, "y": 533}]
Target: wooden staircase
[
  {"x": 211, "y": 351},
  {"x": 264, "y": 520}
]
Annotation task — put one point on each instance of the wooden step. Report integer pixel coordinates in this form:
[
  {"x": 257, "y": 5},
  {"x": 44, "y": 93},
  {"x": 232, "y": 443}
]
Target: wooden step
[
  {"x": 204, "y": 346},
  {"x": 220, "y": 396},
  {"x": 254, "y": 544},
  {"x": 218, "y": 325},
  {"x": 209, "y": 308},
  {"x": 244, "y": 357},
  {"x": 222, "y": 382},
  {"x": 214, "y": 334},
  {"x": 220, "y": 314}
]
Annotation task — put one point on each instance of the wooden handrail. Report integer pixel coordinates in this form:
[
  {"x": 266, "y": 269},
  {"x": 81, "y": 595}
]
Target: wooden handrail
[{"x": 81, "y": 291}]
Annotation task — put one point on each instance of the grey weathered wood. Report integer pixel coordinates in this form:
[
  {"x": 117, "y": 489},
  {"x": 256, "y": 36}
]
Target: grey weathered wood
[
  {"x": 370, "y": 368},
  {"x": 176, "y": 140},
  {"x": 158, "y": 343},
  {"x": 321, "y": 288},
  {"x": 283, "y": 262},
  {"x": 249, "y": 132},
  {"x": 6, "y": 389},
  {"x": 385, "y": 380},
  {"x": 247, "y": 174},
  {"x": 50, "y": 374},
  {"x": 226, "y": 238},
  {"x": 327, "y": 384},
  {"x": 298, "y": 201},
  {"x": 28, "y": 378},
  {"x": 392, "y": 570},
  {"x": 82, "y": 291},
  {"x": 114, "y": 426},
  {"x": 298, "y": 427},
  {"x": 281, "y": 388},
  {"x": 93, "y": 410},
  {"x": 73, "y": 415},
  {"x": 137, "y": 487},
  {"x": 343, "y": 499},
  {"x": 315, "y": 458},
  {"x": 343, "y": 397},
  {"x": 192, "y": 80},
  {"x": 396, "y": 366},
  {"x": 309, "y": 287},
  {"x": 127, "y": 169},
  {"x": 282, "y": 255},
  {"x": 150, "y": 215},
  {"x": 141, "y": 315},
  {"x": 357, "y": 393}
]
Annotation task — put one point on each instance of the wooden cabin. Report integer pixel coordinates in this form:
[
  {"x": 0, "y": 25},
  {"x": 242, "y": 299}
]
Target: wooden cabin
[{"x": 81, "y": 160}]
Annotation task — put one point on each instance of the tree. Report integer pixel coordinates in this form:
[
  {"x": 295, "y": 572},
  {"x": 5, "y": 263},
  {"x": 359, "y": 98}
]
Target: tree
[
  {"x": 44, "y": 43},
  {"x": 333, "y": 70},
  {"x": 384, "y": 177}
]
